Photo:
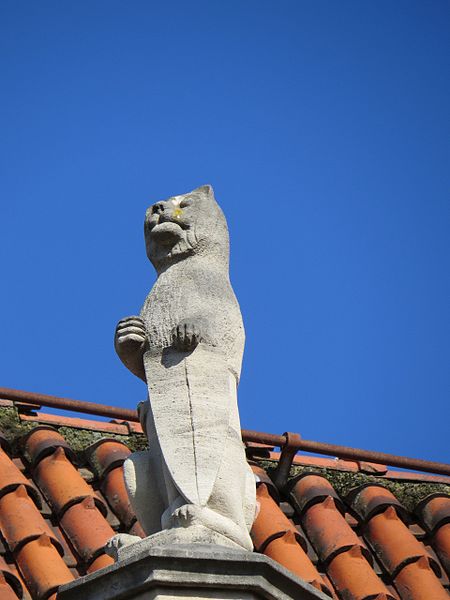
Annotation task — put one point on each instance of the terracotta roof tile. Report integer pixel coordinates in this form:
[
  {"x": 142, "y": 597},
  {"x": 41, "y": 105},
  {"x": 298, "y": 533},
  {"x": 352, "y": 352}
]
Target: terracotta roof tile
[
  {"x": 312, "y": 489},
  {"x": 42, "y": 568},
  {"x": 120, "y": 428},
  {"x": 6, "y": 591},
  {"x": 113, "y": 487},
  {"x": 329, "y": 532},
  {"x": 434, "y": 511},
  {"x": 374, "y": 543},
  {"x": 10, "y": 583},
  {"x": 394, "y": 544},
  {"x": 277, "y": 537},
  {"x": 441, "y": 545},
  {"x": 262, "y": 477},
  {"x": 11, "y": 478},
  {"x": 62, "y": 484},
  {"x": 136, "y": 529},
  {"x": 43, "y": 441},
  {"x": 106, "y": 455},
  {"x": 99, "y": 563},
  {"x": 271, "y": 523},
  {"x": 373, "y": 499},
  {"x": 347, "y": 559},
  {"x": 87, "y": 529},
  {"x": 353, "y": 577},
  {"x": 287, "y": 551},
  {"x": 417, "y": 581},
  {"x": 21, "y": 521}
]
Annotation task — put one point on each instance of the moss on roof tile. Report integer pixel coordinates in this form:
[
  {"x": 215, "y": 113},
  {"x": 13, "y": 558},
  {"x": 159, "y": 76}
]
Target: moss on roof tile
[
  {"x": 78, "y": 439},
  {"x": 409, "y": 493}
]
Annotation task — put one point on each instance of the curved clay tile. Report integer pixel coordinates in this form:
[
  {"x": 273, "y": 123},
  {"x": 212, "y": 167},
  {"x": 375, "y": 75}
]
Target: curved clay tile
[
  {"x": 416, "y": 581},
  {"x": 311, "y": 489},
  {"x": 99, "y": 563},
  {"x": 277, "y": 537},
  {"x": 440, "y": 542},
  {"x": 61, "y": 484},
  {"x": 9, "y": 583},
  {"x": 354, "y": 578},
  {"x": 434, "y": 511},
  {"x": 347, "y": 559},
  {"x": 434, "y": 514},
  {"x": 43, "y": 441},
  {"x": 137, "y": 529},
  {"x": 270, "y": 522},
  {"x": 373, "y": 499},
  {"x": 105, "y": 455},
  {"x": 262, "y": 477},
  {"x": 328, "y": 531},
  {"x": 20, "y": 520},
  {"x": 286, "y": 551},
  {"x": 42, "y": 569},
  {"x": 394, "y": 543},
  {"x": 11, "y": 478},
  {"x": 6, "y": 591},
  {"x": 87, "y": 529},
  {"x": 113, "y": 488}
]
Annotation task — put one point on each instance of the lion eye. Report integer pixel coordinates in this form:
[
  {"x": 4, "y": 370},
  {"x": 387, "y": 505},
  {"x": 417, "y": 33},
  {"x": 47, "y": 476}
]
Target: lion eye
[{"x": 185, "y": 203}]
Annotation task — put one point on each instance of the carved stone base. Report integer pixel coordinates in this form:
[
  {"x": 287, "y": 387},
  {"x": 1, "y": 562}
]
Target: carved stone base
[
  {"x": 196, "y": 534},
  {"x": 195, "y": 572}
]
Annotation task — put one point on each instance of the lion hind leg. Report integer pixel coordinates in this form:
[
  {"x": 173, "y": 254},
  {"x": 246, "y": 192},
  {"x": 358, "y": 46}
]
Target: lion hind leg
[{"x": 143, "y": 488}]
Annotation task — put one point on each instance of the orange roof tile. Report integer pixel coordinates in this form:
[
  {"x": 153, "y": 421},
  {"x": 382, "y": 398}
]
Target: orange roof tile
[
  {"x": 441, "y": 544},
  {"x": 21, "y": 521},
  {"x": 63, "y": 496},
  {"x": 113, "y": 488},
  {"x": 353, "y": 577},
  {"x": 42, "y": 568},
  {"x": 10, "y": 586},
  {"x": 61, "y": 483},
  {"x": 86, "y": 528}
]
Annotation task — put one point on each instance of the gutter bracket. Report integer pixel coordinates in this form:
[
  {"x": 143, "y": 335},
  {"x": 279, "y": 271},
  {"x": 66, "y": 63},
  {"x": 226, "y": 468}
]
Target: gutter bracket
[{"x": 289, "y": 450}]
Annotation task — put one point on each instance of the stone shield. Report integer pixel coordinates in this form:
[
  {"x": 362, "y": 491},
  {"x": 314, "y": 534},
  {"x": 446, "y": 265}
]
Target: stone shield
[{"x": 190, "y": 398}]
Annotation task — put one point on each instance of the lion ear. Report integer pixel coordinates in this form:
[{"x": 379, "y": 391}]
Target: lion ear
[{"x": 206, "y": 189}]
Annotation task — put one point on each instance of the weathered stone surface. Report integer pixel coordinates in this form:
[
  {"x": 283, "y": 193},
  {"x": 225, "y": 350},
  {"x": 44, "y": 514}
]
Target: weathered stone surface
[
  {"x": 187, "y": 344},
  {"x": 161, "y": 594},
  {"x": 190, "y": 572},
  {"x": 195, "y": 534}
]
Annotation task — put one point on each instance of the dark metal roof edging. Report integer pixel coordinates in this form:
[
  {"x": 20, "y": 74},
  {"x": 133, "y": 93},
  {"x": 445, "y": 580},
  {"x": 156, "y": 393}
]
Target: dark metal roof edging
[{"x": 127, "y": 414}]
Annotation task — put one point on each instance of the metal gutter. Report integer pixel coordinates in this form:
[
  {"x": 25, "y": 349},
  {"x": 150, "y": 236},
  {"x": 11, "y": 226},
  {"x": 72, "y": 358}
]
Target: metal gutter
[{"x": 295, "y": 442}]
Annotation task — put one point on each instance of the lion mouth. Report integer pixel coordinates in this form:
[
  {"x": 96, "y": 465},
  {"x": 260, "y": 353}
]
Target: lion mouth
[{"x": 166, "y": 232}]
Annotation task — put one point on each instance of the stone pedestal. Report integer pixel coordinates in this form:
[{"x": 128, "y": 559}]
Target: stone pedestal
[{"x": 194, "y": 572}]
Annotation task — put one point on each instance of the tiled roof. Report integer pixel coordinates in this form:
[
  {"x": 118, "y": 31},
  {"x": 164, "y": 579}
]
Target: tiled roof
[{"x": 354, "y": 530}]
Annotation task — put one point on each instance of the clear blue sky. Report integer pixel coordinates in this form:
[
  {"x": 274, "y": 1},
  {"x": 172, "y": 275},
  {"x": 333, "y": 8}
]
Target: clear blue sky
[{"x": 323, "y": 127}]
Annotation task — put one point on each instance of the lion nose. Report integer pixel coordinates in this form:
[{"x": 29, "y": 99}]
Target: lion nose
[{"x": 158, "y": 208}]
